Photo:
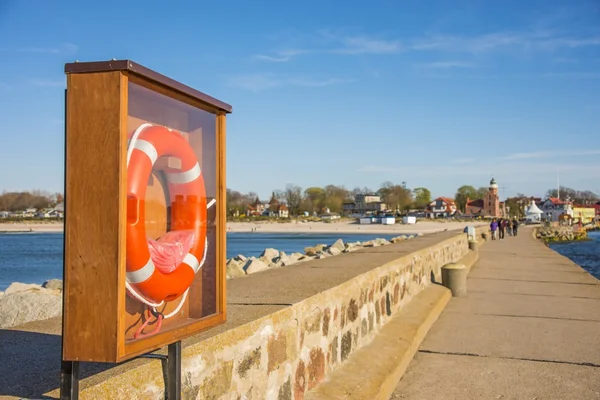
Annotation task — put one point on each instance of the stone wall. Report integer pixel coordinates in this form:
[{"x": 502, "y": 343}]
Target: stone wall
[{"x": 286, "y": 353}]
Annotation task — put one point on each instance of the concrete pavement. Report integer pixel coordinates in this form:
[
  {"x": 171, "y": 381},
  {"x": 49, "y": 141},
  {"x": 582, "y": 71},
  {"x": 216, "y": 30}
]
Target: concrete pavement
[{"x": 529, "y": 329}]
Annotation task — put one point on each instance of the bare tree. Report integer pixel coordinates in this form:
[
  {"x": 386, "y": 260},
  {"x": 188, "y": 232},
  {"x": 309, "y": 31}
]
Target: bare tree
[{"x": 293, "y": 197}]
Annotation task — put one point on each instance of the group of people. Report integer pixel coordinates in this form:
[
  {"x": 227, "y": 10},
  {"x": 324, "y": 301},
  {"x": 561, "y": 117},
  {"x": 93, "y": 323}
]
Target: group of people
[{"x": 501, "y": 225}]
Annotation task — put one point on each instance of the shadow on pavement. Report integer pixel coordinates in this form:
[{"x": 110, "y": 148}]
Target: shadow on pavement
[{"x": 30, "y": 364}]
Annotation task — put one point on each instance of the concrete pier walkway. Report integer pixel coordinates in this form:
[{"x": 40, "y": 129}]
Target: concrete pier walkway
[{"x": 529, "y": 329}]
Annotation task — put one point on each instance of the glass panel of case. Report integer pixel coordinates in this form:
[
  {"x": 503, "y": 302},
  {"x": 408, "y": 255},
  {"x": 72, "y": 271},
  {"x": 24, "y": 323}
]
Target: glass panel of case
[{"x": 171, "y": 213}]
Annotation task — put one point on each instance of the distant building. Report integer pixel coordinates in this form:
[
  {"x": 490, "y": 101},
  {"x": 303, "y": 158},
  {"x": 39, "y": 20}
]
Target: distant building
[
  {"x": 364, "y": 204},
  {"x": 489, "y": 206},
  {"x": 585, "y": 214},
  {"x": 277, "y": 209},
  {"x": 441, "y": 207},
  {"x": 597, "y": 208},
  {"x": 49, "y": 213},
  {"x": 256, "y": 209},
  {"x": 553, "y": 208}
]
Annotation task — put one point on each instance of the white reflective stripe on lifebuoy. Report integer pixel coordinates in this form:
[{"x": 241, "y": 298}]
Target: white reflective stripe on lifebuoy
[
  {"x": 181, "y": 178},
  {"x": 192, "y": 261},
  {"x": 204, "y": 254},
  {"x": 141, "y": 274},
  {"x": 148, "y": 148},
  {"x": 134, "y": 139}
]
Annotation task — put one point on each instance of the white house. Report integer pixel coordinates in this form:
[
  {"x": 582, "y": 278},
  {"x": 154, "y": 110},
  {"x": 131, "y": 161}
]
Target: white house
[
  {"x": 533, "y": 214},
  {"x": 441, "y": 207},
  {"x": 50, "y": 213},
  {"x": 554, "y": 208}
]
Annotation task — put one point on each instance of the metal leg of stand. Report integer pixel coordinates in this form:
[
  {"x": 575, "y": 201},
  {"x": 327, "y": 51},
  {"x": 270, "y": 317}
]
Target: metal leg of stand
[
  {"x": 174, "y": 372},
  {"x": 69, "y": 380}
]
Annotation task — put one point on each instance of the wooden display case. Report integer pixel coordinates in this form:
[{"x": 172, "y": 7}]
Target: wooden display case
[{"x": 145, "y": 211}]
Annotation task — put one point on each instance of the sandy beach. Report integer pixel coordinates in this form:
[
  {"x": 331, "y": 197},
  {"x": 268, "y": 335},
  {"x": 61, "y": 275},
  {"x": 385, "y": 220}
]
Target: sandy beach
[
  {"x": 31, "y": 227},
  {"x": 288, "y": 227},
  {"x": 344, "y": 227}
]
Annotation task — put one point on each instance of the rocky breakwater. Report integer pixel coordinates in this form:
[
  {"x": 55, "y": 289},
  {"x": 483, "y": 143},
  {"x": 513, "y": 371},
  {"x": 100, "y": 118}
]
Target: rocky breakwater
[
  {"x": 241, "y": 265},
  {"x": 23, "y": 302},
  {"x": 560, "y": 234}
]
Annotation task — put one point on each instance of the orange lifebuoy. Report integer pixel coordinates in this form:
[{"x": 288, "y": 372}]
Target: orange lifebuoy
[{"x": 187, "y": 195}]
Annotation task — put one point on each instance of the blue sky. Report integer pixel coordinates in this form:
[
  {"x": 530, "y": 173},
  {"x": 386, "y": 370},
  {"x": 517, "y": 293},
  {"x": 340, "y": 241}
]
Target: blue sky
[{"x": 434, "y": 93}]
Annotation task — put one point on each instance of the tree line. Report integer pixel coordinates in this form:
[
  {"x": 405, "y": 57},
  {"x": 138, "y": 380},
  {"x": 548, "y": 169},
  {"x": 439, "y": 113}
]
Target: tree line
[
  {"x": 397, "y": 197},
  {"x": 520, "y": 200},
  {"x": 332, "y": 197},
  {"x": 582, "y": 197},
  {"x": 19, "y": 201}
]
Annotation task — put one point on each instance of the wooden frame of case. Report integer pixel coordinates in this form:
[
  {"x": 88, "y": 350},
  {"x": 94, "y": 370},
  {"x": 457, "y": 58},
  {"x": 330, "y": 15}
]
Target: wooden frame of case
[{"x": 95, "y": 219}]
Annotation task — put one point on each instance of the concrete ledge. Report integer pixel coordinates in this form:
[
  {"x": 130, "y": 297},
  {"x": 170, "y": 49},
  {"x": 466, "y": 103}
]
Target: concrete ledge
[{"x": 373, "y": 371}]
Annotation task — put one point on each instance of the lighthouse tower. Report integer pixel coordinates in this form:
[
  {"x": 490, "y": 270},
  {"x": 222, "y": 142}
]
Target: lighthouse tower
[{"x": 491, "y": 202}]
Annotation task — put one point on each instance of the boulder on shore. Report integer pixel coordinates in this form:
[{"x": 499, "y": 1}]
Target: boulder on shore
[
  {"x": 26, "y": 305},
  {"x": 334, "y": 251},
  {"x": 241, "y": 258},
  {"x": 381, "y": 242},
  {"x": 235, "y": 268},
  {"x": 283, "y": 260},
  {"x": 339, "y": 245},
  {"x": 254, "y": 265},
  {"x": 349, "y": 247},
  {"x": 269, "y": 254},
  {"x": 53, "y": 284},
  {"x": 296, "y": 257},
  {"x": 316, "y": 250},
  {"x": 21, "y": 287}
]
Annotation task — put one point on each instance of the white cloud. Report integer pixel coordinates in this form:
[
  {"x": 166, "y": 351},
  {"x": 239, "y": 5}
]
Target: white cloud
[
  {"x": 258, "y": 82},
  {"x": 378, "y": 168},
  {"x": 448, "y": 64},
  {"x": 572, "y": 75},
  {"x": 496, "y": 41},
  {"x": 329, "y": 43},
  {"x": 263, "y": 57},
  {"x": 279, "y": 56},
  {"x": 529, "y": 40},
  {"x": 566, "y": 60},
  {"x": 514, "y": 169},
  {"x": 47, "y": 83},
  {"x": 527, "y": 156},
  {"x": 67, "y": 48},
  {"x": 551, "y": 154},
  {"x": 367, "y": 45},
  {"x": 462, "y": 161}
]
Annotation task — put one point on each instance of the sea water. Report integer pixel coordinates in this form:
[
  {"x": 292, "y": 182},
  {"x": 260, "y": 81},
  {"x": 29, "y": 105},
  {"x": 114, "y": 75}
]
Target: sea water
[
  {"x": 37, "y": 257},
  {"x": 583, "y": 253}
]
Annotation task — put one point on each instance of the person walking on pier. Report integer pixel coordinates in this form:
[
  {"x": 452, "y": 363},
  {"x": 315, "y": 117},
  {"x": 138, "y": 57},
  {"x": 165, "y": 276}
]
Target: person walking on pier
[
  {"x": 501, "y": 227},
  {"x": 509, "y": 227},
  {"x": 494, "y": 229},
  {"x": 515, "y": 224}
]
